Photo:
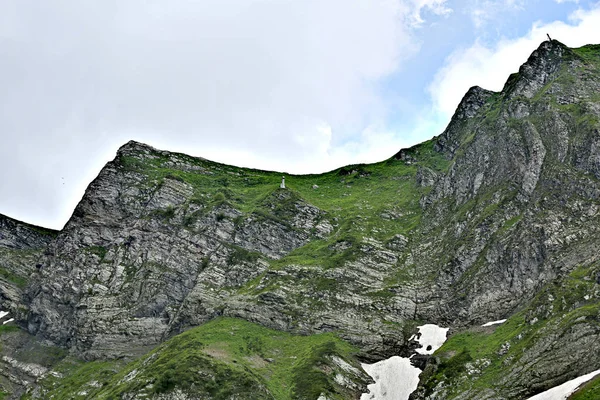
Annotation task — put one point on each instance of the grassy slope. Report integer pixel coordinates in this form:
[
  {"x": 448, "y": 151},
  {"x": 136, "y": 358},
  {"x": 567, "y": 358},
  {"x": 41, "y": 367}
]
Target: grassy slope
[
  {"x": 477, "y": 358},
  {"x": 355, "y": 194},
  {"x": 354, "y": 198},
  {"x": 222, "y": 358},
  {"x": 589, "y": 391}
]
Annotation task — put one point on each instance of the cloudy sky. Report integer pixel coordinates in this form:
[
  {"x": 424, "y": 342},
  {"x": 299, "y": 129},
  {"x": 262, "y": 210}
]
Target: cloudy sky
[{"x": 290, "y": 85}]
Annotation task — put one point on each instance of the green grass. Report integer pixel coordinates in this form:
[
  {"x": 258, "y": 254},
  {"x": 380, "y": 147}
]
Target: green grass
[
  {"x": 511, "y": 222},
  {"x": 320, "y": 253},
  {"x": 19, "y": 281},
  {"x": 79, "y": 379},
  {"x": 567, "y": 308},
  {"x": 100, "y": 251},
  {"x": 589, "y": 391},
  {"x": 353, "y": 192},
  {"x": 223, "y": 358},
  {"x": 9, "y": 328},
  {"x": 590, "y": 52},
  {"x": 14, "y": 264}
]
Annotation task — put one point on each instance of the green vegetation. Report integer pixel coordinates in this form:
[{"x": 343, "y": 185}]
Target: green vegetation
[
  {"x": 590, "y": 52},
  {"x": 38, "y": 229},
  {"x": 347, "y": 194},
  {"x": 359, "y": 202},
  {"x": 78, "y": 379},
  {"x": 100, "y": 251},
  {"x": 322, "y": 253},
  {"x": 512, "y": 222},
  {"x": 166, "y": 214},
  {"x": 11, "y": 277},
  {"x": 220, "y": 359},
  {"x": 239, "y": 255},
  {"x": 14, "y": 264},
  {"x": 9, "y": 328},
  {"x": 589, "y": 391},
  {"x": 558, "y": 307}
]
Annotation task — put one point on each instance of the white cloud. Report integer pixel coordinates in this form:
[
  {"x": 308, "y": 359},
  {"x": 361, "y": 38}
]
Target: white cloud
[
  {"x": 490, "y": 66},
  {"x": 278, "y": 84},
  {"x": 484, "y": 11},
  {"x": 437, "y": 7}
]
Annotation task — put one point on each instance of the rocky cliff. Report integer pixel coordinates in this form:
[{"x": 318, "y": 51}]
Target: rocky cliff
[
  {"x": 497, "y": 217},
  {"x": 21, "y": 245}
]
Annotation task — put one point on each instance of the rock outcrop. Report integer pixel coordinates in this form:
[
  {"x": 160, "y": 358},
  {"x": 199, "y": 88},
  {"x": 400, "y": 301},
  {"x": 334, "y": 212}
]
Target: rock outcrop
[{"x": 21, "y": 245}]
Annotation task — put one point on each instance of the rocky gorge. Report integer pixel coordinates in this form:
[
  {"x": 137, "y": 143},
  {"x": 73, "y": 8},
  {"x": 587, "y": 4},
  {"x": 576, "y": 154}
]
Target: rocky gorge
[{"x": 178, "y": 277}]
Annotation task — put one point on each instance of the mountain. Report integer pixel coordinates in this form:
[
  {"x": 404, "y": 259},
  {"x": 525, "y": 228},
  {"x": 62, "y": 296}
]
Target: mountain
[{"x": 177, "y": 277}]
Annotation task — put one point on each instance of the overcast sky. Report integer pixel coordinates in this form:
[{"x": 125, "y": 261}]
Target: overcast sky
[{"x": 290, "y": 85}]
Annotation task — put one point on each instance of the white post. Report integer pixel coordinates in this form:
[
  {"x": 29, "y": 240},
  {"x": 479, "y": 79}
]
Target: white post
[{"x": 282, "y": 186}]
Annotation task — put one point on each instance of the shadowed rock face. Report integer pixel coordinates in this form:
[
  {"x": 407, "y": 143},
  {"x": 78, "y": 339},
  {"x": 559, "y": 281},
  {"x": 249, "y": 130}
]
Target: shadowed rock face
[
  {"x": 467, "y": 228},
  {"x": 19, "y": 235},
  {"x": 21, "y": 245}
]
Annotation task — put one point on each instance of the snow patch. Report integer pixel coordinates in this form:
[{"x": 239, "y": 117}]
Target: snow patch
[
  {"x": 3, "y": 314},
  {"x": 432, "y": 338},
  {"x": 395, "y": 379},
  {"x": 7, "y": 321},
  {"x": 563, "y": 391},
  {"x": 500, "y": 321}
]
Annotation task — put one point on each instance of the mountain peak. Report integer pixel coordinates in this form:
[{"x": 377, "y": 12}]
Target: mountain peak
[
  {"x": 542, "y": 66},
  {"x": 468, "y": 107},
  {"x": 472, "y": 101},
  {"x": 538, "y": 70},
  {"x": 133, "y": 146}
]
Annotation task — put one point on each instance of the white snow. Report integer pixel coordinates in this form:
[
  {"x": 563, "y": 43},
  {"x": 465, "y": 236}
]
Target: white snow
[
  {"x": 431, "y": 335},
  {"x": 563, "y": 391},
  {"x": 3, "y": 314},
  {"x": 395, "y": 379},
  {"x": 500, "y": 321},
  {"x": 7, "y": 321}
]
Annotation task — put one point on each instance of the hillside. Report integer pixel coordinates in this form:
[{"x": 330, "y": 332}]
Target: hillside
[{"x": 281, "y": 293}]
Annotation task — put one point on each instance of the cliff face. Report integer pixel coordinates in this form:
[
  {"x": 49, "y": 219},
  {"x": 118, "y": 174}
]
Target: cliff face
[
  {"x": 518, "y": 206},
  {"x": 495, "y": 218},
  {"x": 20, "y": 246}
]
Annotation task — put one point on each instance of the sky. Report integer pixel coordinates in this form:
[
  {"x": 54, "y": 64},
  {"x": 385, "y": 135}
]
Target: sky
[{"x": 293, "y": 86}]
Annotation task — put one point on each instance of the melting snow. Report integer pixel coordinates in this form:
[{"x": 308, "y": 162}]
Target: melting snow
[
  {"x": 500, "y": 321},
  {"x": 7, "y": 321},
  {"x": 432, "y": 338},
  {"x": 563, "y": 391},
  {"x": 396, "y": 378},
  {"x": 3, "y": 314}
]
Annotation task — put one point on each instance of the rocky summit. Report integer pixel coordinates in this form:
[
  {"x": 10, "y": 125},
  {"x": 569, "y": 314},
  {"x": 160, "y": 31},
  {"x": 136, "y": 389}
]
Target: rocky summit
[{"x": 181, "y": 278}]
